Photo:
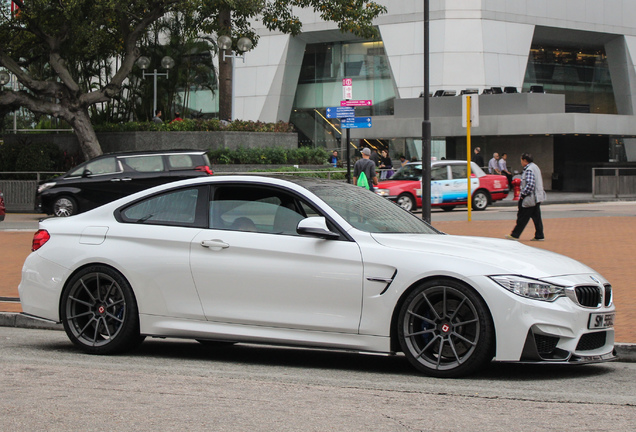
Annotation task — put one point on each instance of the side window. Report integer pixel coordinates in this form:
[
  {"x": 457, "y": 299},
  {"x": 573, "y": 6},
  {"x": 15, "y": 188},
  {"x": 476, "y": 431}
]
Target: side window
[
  {"x": 171, "y": 208},
  {"x": 439, "y": 173},
  {"x": 459, "y": 171},
  {"x": 254, "y": 209},
  {"x": 152, "y": 163},
  {"x": 107, "y": 165},
  {"x": 180, "y": 161}
]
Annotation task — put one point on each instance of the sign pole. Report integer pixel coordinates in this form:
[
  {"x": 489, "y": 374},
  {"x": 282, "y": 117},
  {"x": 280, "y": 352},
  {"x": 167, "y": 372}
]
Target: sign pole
[
  {"x": 469, "y": 201},
  {"x": 348, "y": 139}
]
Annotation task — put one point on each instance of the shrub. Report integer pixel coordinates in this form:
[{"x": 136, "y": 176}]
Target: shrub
[
  {"x": 197, "y": 125},
  {"x": 269, "y": 156}
]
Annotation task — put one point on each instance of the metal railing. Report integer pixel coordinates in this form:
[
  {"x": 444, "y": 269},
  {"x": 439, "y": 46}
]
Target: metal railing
[
  {"x": 19, "y": 195},
  {"x": 615, "y": 182}
]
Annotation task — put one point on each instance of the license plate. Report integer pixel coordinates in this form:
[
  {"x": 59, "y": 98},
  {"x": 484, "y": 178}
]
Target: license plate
[{"x": 601, "y": 320}]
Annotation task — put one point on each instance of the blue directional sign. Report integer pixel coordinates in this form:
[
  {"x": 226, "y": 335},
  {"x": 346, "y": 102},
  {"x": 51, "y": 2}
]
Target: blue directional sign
[
  {"x": 356, "y": 122},
  {"x": 340, "y": 112}
]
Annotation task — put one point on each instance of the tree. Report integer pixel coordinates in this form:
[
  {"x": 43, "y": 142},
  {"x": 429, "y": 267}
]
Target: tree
[{"x": 62, "y": 51}]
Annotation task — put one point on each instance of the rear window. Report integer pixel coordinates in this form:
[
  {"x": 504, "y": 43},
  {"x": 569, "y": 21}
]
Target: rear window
[
  {"x": 152, "y": 163},
  {"x": 181, "y": 161}
]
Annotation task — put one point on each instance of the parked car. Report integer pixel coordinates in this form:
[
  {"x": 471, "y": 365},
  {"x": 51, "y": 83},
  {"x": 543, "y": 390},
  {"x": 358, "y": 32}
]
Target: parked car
[
  {"x": 449, "y": 186},
  {"x": 115, "y": 175},
  {"x": 2, "y": 208},
  {"x": 311, "y": 263}
]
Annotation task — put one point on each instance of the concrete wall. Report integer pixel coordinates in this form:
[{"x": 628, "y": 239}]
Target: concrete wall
[{"x": 126, "y": 141}]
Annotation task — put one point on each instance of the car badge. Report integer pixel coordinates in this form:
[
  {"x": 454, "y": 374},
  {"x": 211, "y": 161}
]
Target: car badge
[{"x": 595, "y": 280}]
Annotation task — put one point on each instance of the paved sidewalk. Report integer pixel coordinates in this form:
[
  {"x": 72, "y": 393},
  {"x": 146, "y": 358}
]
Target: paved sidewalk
[{"x": 607, "y": 244}]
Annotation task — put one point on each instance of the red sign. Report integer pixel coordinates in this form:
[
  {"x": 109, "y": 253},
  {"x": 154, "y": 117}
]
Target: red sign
[
  {"x": 355, "y": 103},
  {"x": 347, "y": 82}
]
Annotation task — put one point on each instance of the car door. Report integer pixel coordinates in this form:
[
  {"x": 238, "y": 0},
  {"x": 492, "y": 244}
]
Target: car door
[
  {"x": 440, "y": 184},
  {"x": 250, "y": 268},
  {"x": 97, "y": 184},
  {"x": 459, "y": 183}
]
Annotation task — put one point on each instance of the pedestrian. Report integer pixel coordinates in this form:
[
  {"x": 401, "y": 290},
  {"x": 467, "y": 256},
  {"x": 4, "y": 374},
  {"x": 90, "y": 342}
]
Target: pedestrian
[
  {"x": 503, "y": 167},
  {"x": 333, "y": 159},
  {"x": 375, "y": 157},
  {"x": 530, "y": 199},
  {"x": 367, "y": 167},
  {"x": 478, "y": 158},
  {"x": 157, "y": 117},
  {"x": 386, "y": 164},
  {"x": 177, "y": 117},
  {"x": 493, "y": 164},
  {"x": 403, "y": 160}
]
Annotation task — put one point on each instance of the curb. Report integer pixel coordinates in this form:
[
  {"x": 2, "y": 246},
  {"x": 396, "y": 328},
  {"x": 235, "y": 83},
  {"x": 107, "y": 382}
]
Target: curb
[{"x": 625, "y": 352}]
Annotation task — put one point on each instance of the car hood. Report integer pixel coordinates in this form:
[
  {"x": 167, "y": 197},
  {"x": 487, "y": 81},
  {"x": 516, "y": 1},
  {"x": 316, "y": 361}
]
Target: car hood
[{"x": 487, "y": 255}]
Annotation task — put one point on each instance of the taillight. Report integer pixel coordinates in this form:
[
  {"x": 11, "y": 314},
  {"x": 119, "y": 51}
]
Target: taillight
[
  {"x": 39, "y": 238},
  {"x": 204, "y": 168}
]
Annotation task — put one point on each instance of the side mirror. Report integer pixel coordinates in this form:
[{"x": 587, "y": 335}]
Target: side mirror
[
  {"x": 87, "y": 173},
  {"x": 316, "y": 227}
]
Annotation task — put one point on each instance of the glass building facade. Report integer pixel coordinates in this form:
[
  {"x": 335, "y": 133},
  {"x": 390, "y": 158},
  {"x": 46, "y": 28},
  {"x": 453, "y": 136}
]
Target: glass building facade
[
  {"x": 582, "y": 75},
  {"x": 320, "y": 86}
]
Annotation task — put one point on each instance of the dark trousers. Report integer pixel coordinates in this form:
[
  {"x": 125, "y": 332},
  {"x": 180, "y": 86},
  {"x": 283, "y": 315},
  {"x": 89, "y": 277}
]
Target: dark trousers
[{"x": 524, "y": 214}]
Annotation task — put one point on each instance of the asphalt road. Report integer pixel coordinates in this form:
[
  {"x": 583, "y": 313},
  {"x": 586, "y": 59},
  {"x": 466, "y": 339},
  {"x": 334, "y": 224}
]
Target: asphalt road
[{"x": 180, "y": 385}]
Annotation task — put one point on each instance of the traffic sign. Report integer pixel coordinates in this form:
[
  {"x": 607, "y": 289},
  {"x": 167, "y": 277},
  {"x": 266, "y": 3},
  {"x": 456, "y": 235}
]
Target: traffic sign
[
  {"x": 354, "y": 103},
  {"x": 340, "y": 112},
  {"x": 347, "y": 88},
  {"x": 356, "y": 122}
]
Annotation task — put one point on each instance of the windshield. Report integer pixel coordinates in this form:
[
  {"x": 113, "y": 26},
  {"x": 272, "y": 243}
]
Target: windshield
[
  {"x": 369, "y": 212},
  {"x": 409, "y": 172}
]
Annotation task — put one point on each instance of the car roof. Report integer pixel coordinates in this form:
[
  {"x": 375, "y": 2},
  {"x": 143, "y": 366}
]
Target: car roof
[{"x": 153, "y": 152}]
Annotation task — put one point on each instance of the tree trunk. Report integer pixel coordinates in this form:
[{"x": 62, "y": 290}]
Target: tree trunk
[
  {"x": 225, "y": 69},
  {"x": 81, "y": 123}
]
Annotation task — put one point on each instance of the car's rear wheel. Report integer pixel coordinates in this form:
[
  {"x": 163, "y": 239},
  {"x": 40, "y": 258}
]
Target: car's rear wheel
[
  {"x": 99, "y": 311},
  {"x": 406, "y": 201},
  {"x": 64, "y": 206},
  {"x": 480, "y": 200},
  {"x": 445, "y": 329}
]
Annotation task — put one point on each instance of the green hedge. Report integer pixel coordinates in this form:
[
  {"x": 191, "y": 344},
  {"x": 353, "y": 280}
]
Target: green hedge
[
  {"x": 270, "y": 156},
  {"x": 196, "y": 126}
]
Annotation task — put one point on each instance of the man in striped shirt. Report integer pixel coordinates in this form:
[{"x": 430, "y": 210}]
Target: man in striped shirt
[{"x": 530, "y": 199}]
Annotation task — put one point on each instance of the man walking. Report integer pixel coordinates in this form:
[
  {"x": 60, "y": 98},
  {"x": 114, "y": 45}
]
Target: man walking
[
  {"x": 477, "y": 157},
  {"x": 530, "y": 199},
  {"x": 366, "y": 166},
  {"x": 493, "y": 164}
]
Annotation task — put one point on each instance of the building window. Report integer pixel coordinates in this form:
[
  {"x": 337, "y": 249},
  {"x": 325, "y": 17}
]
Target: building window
[
  {"x": 582, "y": 75},
  {"x": 320, "y": 86}
]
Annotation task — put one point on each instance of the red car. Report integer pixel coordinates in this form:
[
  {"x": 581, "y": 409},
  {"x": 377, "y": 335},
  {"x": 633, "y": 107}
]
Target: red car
[
  {"x": 448, "y": 186},
  {"x": 2, "y": 209}
]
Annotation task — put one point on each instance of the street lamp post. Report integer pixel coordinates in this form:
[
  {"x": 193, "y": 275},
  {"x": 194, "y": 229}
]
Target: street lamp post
[
  {"x": 426, "y": 126},
  {"x": 225, "y": 43},
  {"x": 167, "y": 63}
]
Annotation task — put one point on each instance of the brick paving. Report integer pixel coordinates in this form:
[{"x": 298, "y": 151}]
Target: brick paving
[{"x": 607, "y": 244}]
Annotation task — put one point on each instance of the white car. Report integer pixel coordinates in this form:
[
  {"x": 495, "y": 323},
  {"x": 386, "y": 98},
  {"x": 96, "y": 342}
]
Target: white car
[{"x": 313, "y": 263}]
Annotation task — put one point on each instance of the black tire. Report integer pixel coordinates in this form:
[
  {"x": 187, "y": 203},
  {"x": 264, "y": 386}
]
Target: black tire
[
  {"x": 99, "y": 311},
  {"x": 406, "y": 201},
  {"x": 481, "y": 200},
  {"x": 448, "y": 208},
  {"x": 445, "y": 329},
  {"x": 64, "y": 206}
]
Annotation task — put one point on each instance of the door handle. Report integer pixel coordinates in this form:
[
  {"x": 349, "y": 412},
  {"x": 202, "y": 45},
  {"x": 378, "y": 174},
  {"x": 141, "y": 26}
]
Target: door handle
[{"x": 215, "y": 244}]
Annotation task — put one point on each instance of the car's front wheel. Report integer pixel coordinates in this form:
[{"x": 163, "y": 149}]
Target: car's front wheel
[
  {"x": 445, "y": 329},
  {"x": 480, "y": 200},
  {"x": 406, "y": 201},
  {"x": 99, "y": 311},
  {"x": 64, "y": 206}
]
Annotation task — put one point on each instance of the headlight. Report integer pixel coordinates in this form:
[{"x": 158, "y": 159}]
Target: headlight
[
  {"x": 45, "y": 186},
  {"x": 382, "y": 192},
  {"x": 530, "y": 288}
]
